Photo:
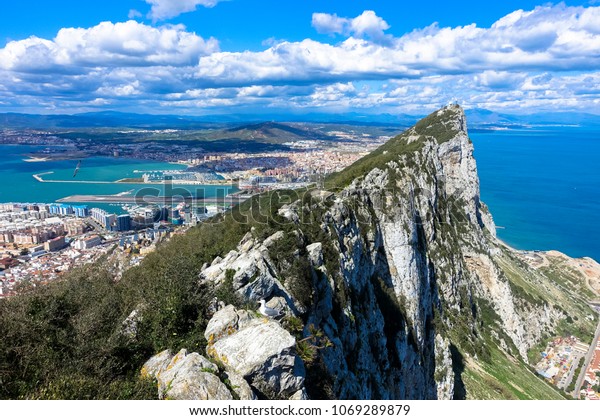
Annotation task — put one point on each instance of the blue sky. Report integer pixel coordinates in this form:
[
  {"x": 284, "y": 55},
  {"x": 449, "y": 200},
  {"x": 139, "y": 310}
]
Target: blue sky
[{"x": 211, "y": 56}]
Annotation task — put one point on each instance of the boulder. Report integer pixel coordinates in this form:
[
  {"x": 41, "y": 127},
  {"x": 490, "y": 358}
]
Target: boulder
[
  {"x": 156, "y": 364},
  {"x": 186, "y": 377},
  {"x": 258, "y": 349},
  {"x": 315, "y": 253},
  {"x": 225, "y": 322}
]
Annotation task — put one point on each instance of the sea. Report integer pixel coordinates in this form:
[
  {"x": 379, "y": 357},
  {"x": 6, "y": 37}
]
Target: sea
[
  {"x": 17, "y": 183},
  {"x": 541, "y": 185}
]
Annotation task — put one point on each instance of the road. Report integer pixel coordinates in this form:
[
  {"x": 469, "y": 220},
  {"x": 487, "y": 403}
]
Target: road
[
  {"x": 588, "y": 359},
  {"x": 566, "y": 380}
]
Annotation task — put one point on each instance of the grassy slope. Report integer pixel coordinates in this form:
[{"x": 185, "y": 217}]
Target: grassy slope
[
  {"x": 504, "y": 376},
  {"x": 410, "y": 141},
  {"x": 64, "y": 340}
]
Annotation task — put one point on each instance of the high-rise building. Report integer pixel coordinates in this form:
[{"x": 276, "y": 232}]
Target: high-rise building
[
  {"x": 123, "y": 222},
  {"x": 109, "y": 221},
  {"x": 105, "y": 219},
  {"x": 55, "y": 244},
  {"x": 81, "y": 211}
]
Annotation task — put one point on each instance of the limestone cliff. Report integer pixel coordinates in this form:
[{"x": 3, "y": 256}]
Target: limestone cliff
[{"x": 392, "y": 282}]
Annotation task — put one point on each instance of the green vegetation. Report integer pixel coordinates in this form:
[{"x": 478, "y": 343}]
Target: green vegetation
[
  {"x": 64, "y": 342},
  {"x": 433, "y": 126},
  {"x": 551, "y": 285},
  {"x": 505, "y": 378},
  {"x": 436, "y": 125},
  {"x": 392, "y": 150},
  {"x": 67, "y": 340}
]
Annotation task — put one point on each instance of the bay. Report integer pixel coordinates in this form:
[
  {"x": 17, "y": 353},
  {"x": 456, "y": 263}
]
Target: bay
[
  {"x": 17, "y": 183},
  {"x": 543, "y": 187}
]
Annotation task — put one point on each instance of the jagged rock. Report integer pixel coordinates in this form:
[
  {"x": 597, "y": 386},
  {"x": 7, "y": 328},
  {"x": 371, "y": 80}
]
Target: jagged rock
[
  {"x": 260, "y": 350},
  {"x": 273, "y": 238},
  {"x": 290, "y": 212},
  {"x": 254, "y": 274},
  {"x": 443, "y": 369},
  {"x": 186, "y": 377},
  {"x": 195, "y": 384},
  {"x": 300, "y": 395},
  {"x": 411, "y": 255},
  {"x": 156, "y": 364},
  {"x": 246, "y": 243},
  {"x": 226, "y": 322},
  {"x": 315, "y": 253},
  {"x": 130, "y": 324},
  {"x": 240, "y": 386}
]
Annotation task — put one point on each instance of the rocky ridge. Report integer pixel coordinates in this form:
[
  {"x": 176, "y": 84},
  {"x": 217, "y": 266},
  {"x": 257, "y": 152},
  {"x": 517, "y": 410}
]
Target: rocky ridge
[{"x": 392, "y": 283}]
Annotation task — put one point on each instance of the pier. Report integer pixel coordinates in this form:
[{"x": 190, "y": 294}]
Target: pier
[{"x": 38, "y": 178}]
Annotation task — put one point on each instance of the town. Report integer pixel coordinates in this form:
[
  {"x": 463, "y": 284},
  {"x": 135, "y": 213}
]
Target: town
[
  {"x": 563, "y": 364},
  {"x": 40, "y": 242}
]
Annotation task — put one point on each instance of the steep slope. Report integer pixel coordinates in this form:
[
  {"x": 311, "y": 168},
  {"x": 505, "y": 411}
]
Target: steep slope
[{"x": 405, "y": 285}]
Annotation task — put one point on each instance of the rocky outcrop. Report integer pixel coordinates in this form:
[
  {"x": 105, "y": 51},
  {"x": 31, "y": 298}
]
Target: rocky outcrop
[
  {"x": 253, "y": 273},
  {"x": 186, "y": 377},
  {"x": 258, "y": 349}
]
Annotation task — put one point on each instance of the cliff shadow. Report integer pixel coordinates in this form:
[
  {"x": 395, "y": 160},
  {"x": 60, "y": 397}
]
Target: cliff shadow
[{"x": 458, "y": 367}]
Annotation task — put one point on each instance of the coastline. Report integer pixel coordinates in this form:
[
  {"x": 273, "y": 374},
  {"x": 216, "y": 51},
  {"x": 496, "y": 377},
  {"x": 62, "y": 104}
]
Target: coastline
[
  {"x": 587, "y": 267},
  {"x": 125, "y": 181}
]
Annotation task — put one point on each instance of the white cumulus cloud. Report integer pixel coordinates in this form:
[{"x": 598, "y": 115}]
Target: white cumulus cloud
[
  {"x": 366, "y": 24},
  {"x": 526, "y": 58},
  {"x": 166, "y": 9},
  {"x": 107, "y": 45}
]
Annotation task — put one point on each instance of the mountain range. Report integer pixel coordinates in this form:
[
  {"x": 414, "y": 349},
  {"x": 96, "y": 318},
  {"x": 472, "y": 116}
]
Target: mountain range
[{"x": 479, "y": 118}]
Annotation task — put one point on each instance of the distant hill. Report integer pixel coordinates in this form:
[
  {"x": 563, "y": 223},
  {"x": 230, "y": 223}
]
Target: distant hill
[
  {"x": 480, "y": 118},
  {"x": 273, "y": 131}
]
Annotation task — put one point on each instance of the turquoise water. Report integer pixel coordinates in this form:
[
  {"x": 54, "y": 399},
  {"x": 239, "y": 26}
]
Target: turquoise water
[
  {"x": 543, "y": 187},
  {"x": 18, "y": 185}
]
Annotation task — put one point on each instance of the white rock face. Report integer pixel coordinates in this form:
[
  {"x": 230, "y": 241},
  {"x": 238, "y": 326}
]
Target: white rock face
[
  {"x": 227, "y": 321},
  {"x": 240, "y": 386},
  {"x": 186, "y": 377},
  {"x": 403, "y": 233},
  {"x": 443, "y": 369},
  {"x": 254, "y": 274},
  {"x": 130, "y": 324},
  {"x": 524, "y": 327},
  {"x": 315, "y": 252},
  {"x": 156, "y": 364},
  {"x": 259, "y": 350}
]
